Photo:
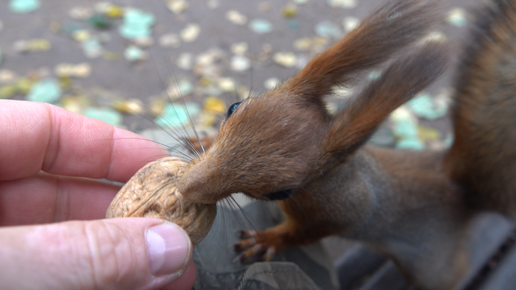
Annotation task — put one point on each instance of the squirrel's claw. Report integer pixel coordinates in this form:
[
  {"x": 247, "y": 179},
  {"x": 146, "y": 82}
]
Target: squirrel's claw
[{"x": 254, "y": 243}]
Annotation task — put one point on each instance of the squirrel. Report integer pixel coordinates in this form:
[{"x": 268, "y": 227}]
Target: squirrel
[{"x": 413, "y": 206}]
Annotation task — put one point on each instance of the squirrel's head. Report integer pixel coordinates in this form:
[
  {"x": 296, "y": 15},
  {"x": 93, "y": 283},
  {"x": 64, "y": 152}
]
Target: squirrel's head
[
  {"x": 266, "y": 143},
  {"x": 270, "y": 145}
]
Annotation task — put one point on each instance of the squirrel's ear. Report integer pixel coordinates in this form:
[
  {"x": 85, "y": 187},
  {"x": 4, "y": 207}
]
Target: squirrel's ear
[
  {"x": 353, "y": 125},
  {"x": 391, "y": 27}
]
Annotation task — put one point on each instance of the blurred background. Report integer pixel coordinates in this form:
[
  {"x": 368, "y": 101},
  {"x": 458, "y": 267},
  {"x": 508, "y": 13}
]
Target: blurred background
[
  {"x": 128, "y": 62},
  {"x": 123, "y": 61}
]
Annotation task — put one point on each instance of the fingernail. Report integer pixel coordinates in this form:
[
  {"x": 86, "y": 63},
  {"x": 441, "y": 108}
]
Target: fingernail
[{"x": 168, "y": 249}]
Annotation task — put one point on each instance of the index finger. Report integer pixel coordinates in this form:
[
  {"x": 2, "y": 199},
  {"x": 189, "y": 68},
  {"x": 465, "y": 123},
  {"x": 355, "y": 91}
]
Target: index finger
[{"x": 39, "y": 136}]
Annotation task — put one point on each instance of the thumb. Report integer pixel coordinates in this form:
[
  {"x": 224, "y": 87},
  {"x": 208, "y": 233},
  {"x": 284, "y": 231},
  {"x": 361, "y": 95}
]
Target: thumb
[{"x": 124, "y": 253}]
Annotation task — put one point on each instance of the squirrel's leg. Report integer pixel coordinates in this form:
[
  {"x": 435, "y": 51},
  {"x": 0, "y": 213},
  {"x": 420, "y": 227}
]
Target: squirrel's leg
[
  {"x": 267, "y": 242},
  {"x": 294, "y": 231}
]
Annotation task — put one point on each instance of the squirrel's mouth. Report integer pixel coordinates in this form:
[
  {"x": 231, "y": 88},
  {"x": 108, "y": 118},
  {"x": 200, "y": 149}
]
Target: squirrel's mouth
[{"x": 280, "y": 195}]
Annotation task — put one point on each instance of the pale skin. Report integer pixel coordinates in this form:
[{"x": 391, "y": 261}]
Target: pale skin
[{"x": 52, "y": 235}]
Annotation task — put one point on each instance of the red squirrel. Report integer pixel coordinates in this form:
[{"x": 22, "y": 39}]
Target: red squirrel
[{"x": 413, "y": 206}]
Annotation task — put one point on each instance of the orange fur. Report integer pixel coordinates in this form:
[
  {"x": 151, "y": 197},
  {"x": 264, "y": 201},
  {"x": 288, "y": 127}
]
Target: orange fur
[
  {"x": 413, "y": 206},
  {"x": 482, "y": 157}
]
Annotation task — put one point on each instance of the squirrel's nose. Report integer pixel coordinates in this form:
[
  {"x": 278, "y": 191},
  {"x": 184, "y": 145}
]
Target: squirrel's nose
[{"x": 196, "y": 185}]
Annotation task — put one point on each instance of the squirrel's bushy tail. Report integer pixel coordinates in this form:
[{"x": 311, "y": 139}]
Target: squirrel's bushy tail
[{"x": 483, "y": 155}]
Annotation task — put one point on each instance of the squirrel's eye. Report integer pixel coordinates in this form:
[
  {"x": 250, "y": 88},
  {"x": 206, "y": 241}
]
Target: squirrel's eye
[{"x": 232, "y": 109}]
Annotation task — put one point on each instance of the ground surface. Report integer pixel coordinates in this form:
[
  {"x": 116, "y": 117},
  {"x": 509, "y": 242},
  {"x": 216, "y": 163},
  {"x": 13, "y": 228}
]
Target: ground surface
[{"x": 114, "y": 75}]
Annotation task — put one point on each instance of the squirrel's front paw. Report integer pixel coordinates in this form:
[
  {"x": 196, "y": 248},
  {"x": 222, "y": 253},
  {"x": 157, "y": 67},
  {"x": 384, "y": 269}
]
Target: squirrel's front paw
[{"x": 253, "y": 243}]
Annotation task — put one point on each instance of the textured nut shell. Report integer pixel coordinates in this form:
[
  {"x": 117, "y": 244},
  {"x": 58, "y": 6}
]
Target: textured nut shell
[{"x": 152, "y": 192}]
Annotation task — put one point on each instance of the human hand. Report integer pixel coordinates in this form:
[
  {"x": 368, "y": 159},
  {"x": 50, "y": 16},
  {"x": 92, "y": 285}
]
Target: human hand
[{"x": 44, "y": 152}]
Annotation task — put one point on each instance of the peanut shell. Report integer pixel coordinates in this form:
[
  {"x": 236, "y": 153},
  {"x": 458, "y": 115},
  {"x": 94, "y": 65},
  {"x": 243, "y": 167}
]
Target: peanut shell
[{"x": 152, "y": 192}]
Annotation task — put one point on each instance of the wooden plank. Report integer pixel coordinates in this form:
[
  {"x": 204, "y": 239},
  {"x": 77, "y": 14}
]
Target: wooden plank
[
  {"x": 356, "y": 265},
  {"x": 488, "y": 232},
  {"x": 504, "y": 275},
  {"x": 386, "y": 278}
]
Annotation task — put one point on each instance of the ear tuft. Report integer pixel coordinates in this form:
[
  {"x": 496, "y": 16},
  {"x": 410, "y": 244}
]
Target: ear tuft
[
  {"x": 353, "y": 126},
  {"x": 391, "y": 27}
]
